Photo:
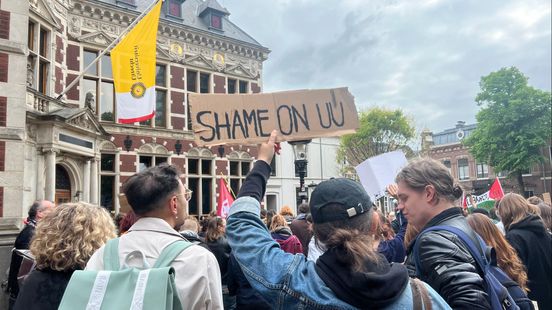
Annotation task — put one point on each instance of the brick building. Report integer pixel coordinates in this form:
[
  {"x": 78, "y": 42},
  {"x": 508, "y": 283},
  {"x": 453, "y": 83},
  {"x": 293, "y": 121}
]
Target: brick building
[
  {"x": 71, "y": 149},
  {"x": 476, "y": 177}
]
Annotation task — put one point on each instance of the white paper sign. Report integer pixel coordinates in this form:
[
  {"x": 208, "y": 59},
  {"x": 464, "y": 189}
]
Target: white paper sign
[{"x": 377, "y": 172}]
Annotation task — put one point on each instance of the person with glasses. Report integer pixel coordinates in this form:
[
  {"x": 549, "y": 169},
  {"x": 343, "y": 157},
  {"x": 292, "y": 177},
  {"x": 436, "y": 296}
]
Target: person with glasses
[{"x": 160, "y": 200}]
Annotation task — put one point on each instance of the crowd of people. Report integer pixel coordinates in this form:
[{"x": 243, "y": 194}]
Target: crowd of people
[{"x": 338, "y": 252}]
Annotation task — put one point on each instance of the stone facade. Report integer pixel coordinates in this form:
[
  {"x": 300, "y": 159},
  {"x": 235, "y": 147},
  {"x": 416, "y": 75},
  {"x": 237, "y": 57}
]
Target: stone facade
[{"x": 70, "y": 148}]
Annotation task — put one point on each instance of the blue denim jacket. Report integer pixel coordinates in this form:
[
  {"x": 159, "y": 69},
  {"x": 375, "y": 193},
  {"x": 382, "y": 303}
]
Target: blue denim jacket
[{"x": 287, "y": 281}]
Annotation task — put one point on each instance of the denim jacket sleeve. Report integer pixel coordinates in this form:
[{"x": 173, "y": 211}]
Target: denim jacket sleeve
[{"x": 284, "y": 280}]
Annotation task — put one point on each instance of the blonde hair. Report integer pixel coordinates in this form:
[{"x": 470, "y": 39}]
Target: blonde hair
[
  {"x": 513, "y": 208},
  {"x": 278, "y": 221},
  {"x": 506, "y": 256},
  {"x": 66, "y": 238},
  {"x": 286, "y": 210}
]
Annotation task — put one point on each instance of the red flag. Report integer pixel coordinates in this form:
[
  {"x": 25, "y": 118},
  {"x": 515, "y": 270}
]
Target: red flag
[
  {"x": 496, "y": 192},
  {"x": 225, "y": 199}
]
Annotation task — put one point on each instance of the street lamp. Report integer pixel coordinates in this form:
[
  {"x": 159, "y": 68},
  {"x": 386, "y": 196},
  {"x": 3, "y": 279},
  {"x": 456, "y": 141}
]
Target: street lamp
[{"x": 300, "y": 155}]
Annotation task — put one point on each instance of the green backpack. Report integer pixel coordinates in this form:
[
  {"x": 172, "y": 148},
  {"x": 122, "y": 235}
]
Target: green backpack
[{"x": 126, "y": 288}]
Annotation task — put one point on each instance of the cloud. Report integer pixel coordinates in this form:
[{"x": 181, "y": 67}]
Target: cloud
[{"x": 425, "y": 57}]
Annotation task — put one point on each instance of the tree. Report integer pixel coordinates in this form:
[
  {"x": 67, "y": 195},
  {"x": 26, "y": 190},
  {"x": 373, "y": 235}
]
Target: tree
[
  {"x": 513, "y": 124},
  {"x": 381, "y": 131}
]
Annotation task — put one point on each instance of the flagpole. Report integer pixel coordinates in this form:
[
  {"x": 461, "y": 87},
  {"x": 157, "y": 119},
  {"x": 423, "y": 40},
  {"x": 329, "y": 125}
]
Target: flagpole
[
  {"x": 223, "y": 177},
  {"x": 108, "y": 48}
]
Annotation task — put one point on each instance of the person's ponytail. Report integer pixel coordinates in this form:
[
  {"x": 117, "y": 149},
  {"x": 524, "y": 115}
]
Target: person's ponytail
[{"x": 356, "y": 247}]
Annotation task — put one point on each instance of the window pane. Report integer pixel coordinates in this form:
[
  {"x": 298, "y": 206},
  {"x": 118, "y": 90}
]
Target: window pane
[
  {"x": 231, "y": 86},
  {"x": 160, "y": 79},
  {"x": 235, "y": 185},
  {"x": 243, "y": 87},
  {"x": 106, "y": 191},
  {"x": 160, "y": 160},
  {"x": 106, "y": 67},
  {"x": 43, "y": 77},
  {"x": 30, "y": 36},
  {"x": 106, "y": 102},
  {"x": 206, "y": 196},
  {"x": 206, "y": 166},
  {"x": 88, "y": 59},
  {"x": 174, "y": 8},
  {"x": 245, "y": 168},
  {"x": 193, "y": 184},
  {"x": 191, "y": 83},
  {"x": 44, "y": 43},
  {"x": 89, "y": 89},
  {"x": 193, "y": 166},
  {"x": 160, "y": 108},
  {"x": 216, "y": 21},
  {"x": 204, "y": 83},
  {"x": 463, "y": 169},
  {"x": 108, "y": 162},
  {"x": 145, "y": 162},
  {"x": 234, "y": 168}
]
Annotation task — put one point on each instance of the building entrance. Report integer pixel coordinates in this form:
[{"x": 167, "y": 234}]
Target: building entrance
[{"x": 63, "y": 186}]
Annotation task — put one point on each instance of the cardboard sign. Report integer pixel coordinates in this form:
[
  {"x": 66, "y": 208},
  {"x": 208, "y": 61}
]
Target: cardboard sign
[
  {"x": 249, "y": 119},
  {"x": 377, "y": 172}
]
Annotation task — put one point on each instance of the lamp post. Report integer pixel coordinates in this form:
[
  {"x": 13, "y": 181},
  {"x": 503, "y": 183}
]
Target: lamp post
[{"x": 300, "y": 155}]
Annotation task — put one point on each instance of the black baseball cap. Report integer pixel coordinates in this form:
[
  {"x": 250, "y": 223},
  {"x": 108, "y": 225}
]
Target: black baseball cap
[{"x": 341, "y": 191}]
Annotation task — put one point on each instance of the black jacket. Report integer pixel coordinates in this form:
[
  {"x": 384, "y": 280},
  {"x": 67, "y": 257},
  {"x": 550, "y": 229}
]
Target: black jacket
[
  {"x": 221, "y": 250},
  {"x": 534, "y": 247},
  {"x": 246, "y": 296},
  {"x": 22, "y": 243},
  {"x": 446, "y": 264},
  {"x": 43, "y": 290}
]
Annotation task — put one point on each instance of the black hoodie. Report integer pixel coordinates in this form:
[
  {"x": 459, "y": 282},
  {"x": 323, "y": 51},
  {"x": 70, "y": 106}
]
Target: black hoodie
[
  {"x": 377, "y": 287},
  {"x": 534, "y": 247}
]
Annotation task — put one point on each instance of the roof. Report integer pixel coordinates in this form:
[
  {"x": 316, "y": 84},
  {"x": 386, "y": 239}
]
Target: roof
[
  {"x": 191, "y": 10},
  {"x": 213, "y": 5},
  {"x": 455, "y": 129}
]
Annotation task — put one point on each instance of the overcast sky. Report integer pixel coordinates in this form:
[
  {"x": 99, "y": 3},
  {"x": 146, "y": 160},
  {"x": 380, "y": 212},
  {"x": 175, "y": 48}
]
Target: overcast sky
[{"x": 425, "y": 57}]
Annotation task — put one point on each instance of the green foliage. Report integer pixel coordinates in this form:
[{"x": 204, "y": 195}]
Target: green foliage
[
  {"x": 381, "y": 131},
  {"x": 513, "y": 124}
]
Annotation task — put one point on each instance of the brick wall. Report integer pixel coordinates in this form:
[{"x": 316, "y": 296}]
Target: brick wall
[
  {"x": 73, "y": 52},
  {"x": 177, "y": 123},
  {"x": 2, "y": 155},
  {"x": 3, "y": 107},
  {"x": 59, "y": 79},
  {"x": 4, "y": 62},
  {"x": 59, "y": 49},
  {"x": 177, "y": 80},
  {"x": 73, "y": 93},
  {"x": 255, "y": 88},
  {"x": 1, "y": 201},
  {"x": 4, "y": 25},
  {"x": 220, "y": 83},
  {"x": 177, "y": 105}
]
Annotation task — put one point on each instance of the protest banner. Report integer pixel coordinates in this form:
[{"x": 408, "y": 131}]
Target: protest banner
[
  {"x": 249, "y": 119},
  {"x": 377, "y": 172}
]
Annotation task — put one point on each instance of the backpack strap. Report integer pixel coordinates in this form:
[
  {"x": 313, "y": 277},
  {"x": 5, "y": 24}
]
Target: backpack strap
[
  {"x": 477, "y": 252},
  {"x": 171, "y": 252},
  {"x": 111, "y": 255},
  {"x": 420, "y": 297}
]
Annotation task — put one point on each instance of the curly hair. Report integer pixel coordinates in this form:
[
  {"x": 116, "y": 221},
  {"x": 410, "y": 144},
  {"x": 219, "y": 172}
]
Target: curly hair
[
  {"x": 506, "y": 255},
  {"x": 286, "y": 210},
  {"x": 66, "y": 238}
]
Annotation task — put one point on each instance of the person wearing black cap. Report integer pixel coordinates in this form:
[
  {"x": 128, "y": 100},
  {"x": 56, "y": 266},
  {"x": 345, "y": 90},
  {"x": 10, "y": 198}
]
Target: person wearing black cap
[{"x": 349, "y": 275}]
